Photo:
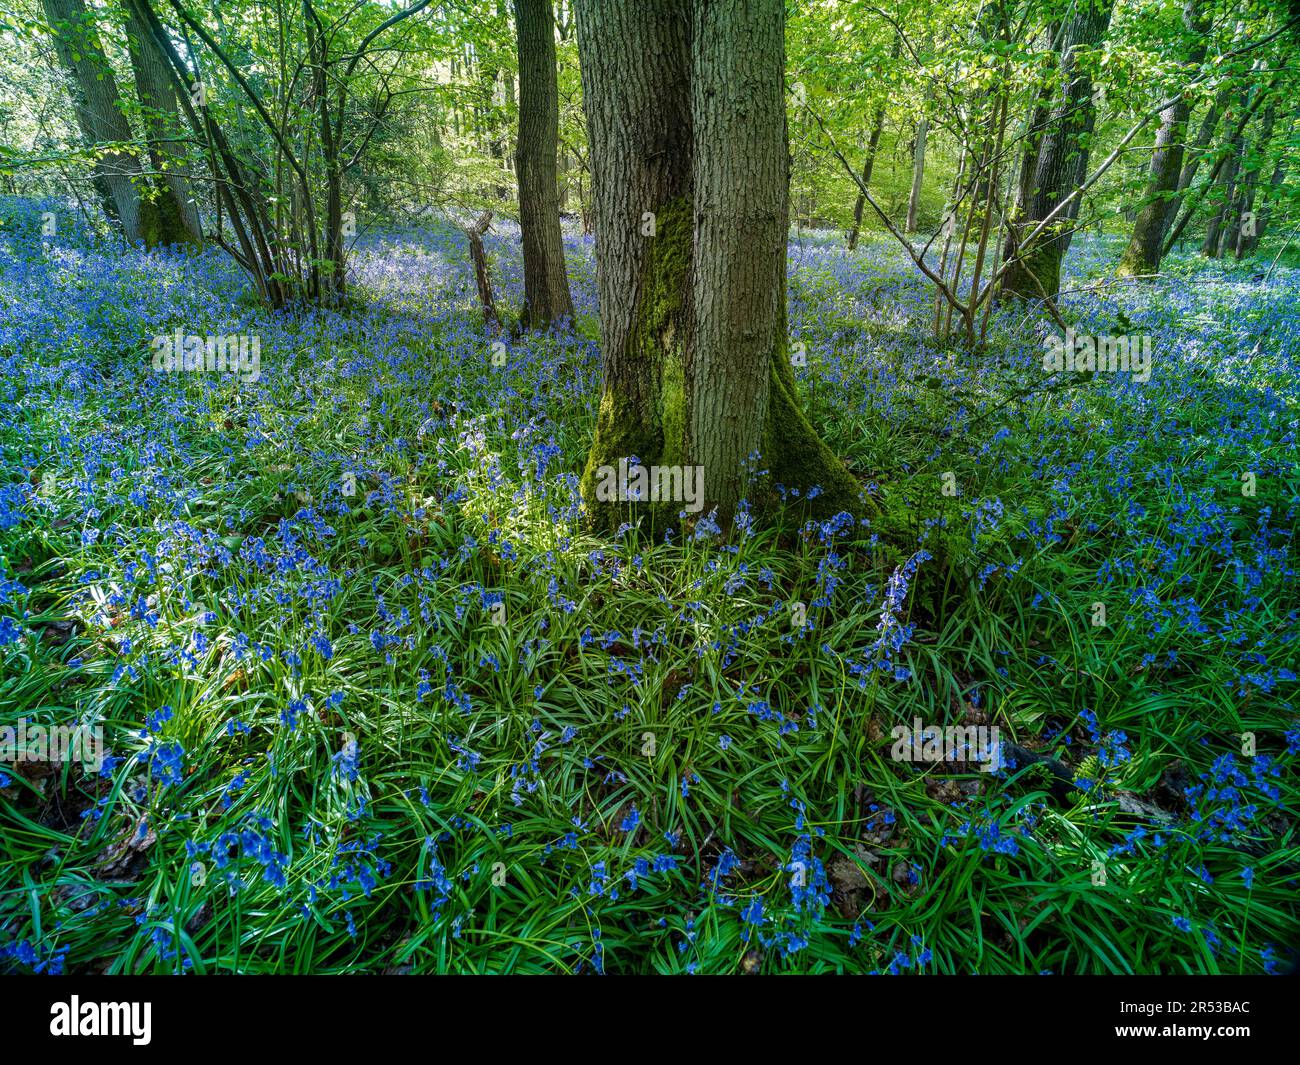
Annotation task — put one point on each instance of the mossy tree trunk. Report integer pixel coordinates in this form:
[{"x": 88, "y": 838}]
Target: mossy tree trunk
[
  {"x": 175, "y": 217},
  {"x": 1143, "y": 254},
  {"x": 686, "y": 118},
  {"x": 98, "y": 109},
  {"x": 1061, "y": 157},
  {"x": 546, "y": 281},
  {"x": 635, "y": 64}
]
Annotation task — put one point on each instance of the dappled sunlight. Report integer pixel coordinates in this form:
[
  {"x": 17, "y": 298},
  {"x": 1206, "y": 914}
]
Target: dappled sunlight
[{"x": 383, "y": 538}]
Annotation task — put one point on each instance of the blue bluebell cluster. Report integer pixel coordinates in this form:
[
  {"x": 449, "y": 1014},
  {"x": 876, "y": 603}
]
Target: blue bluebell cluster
[{"x": 351, "y": 705}]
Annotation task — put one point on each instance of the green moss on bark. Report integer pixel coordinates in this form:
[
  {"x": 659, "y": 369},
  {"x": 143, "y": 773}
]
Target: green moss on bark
[
  {"x": 1135, "y": 262},
  {"x": 795, "y": 455},
  {"x": 161, "y": 222},
  {"x": 654, "y": 432},
  {"x": 1041, "y": 263}
]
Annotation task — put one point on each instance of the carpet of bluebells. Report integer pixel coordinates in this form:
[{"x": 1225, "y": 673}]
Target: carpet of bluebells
[{"x": 374, "y": 699}]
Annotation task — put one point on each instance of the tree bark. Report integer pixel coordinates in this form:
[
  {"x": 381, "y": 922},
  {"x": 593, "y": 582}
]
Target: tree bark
[
  {"x": 1160, "y": 202},
  {"x": 686, "y": 119},
  {"x": 546, "y": 280},
  {"x": 482, "y": 276},
  {"x": 869, "y": 163},
  {"x": 98, "y": 109},
  {"x": 328, "y": 278},
  {"x": 1250, "y": 241},
  {"x": 634, "y": 60},
  {"x": 175, "y": 214},
  {"x": 1062, "y": 154},
  {"x": 742, "y": 183},
  {"x": 918, "y": 173},
  {"x": 1241, "y": 242},
  {"x": 1220, "y": 221}
]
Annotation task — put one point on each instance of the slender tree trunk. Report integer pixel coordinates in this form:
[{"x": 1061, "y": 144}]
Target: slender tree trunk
[
  {"x": 1190, "y": 208},
  {"x": 1220, "y": 221},
  {"x": 563, "y": 170},
  {"x": 1062, "y": 154},
  {"x": 329, "y": 279},
  {"x": 500, "y": 143},
  {"x": 98, "y": 109},
  {"x": 482, "y": 276},
  {"x": 176, "y": 214},
  {"x": 255, "y": 247},
  {"x": 1250, "y": 241},
  {"x": 869, "y": 163},
  {"x": 1142, "y": 256},
  {"x": 1196, "y": 152},
  {"x": 546, "y": 280},
  {"x": 686, "y": 118},
  {"x": 1243, "y": 235},
  {"x": 918, "y": 173}
]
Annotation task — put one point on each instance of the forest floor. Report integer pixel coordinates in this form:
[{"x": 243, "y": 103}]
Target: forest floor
[{"x": 375, "y": 701}]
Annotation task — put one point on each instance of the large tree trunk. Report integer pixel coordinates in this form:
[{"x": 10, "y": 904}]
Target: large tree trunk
[
  {"x": 634, "y": 59},
  {"x": 98, "y": 109},
  {"x": 1036, "y": 123},
  {"x": 175, "y": 215},
  {"x": 1160, "y": 202},
  {"x": 686, "y": 119},
  {"x": 1142, "y": 256},
  {"x": 546, "y": 281},
  {"x": 745, "y": 409},
  {"x": 1062, "y": 155},
  {"x": 742, "y": 182},
  {"x": 918, "y": 173}
]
